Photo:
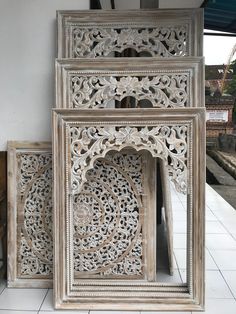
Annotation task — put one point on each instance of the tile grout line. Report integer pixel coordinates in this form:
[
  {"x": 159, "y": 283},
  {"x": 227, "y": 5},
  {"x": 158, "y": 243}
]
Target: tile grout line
[
  {"x": 234, "y": 297},
  {"x": 218, "y": 268},
  {"x": 43, "y": 301},
  {"x": 178, "y": 268},
  {"x": 3, "y": 289}
]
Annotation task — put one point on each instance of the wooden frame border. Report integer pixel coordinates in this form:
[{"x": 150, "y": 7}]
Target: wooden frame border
[
  {"x": 140, "y": 296},
  {"x": 193, "y": 68},
  {"x": 108, "y": 19},
  {"x": 12, "y": 279}
]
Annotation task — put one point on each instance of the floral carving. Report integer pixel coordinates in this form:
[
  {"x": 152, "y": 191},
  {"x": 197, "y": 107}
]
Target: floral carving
[
  {"x": 34, "y": 189},
  {"x": 163, "y": 90},
  {"x": 166, "y": 142},
  {"x": 101, "y": 42},
  {"x": 108, "y": 236}
]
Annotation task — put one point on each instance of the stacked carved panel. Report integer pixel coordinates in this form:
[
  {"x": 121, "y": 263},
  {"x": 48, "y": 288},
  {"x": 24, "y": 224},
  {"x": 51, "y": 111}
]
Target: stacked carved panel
[
  {"x": 104, "y": 161},
  {"x": 109, "y": 231},
  {"x": 30, "y": 242},
  {"x": 80, "y": 139}
]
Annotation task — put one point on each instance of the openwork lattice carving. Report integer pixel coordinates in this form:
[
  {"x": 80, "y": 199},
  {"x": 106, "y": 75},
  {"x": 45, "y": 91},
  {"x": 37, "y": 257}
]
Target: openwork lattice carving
[
  {"x": 30, "y": 243},
  {"x": 102, "y": 42},
  {"x": 34, "y": 190},
  {"x": 82, "y": 142},
  {"x": 108, "y": 232},
  {"x": 160, "y": 33},
  {"x": 148, "y": 82},
  {"x": 164, "y": 141},
  {"x": 166, "y": 90}
]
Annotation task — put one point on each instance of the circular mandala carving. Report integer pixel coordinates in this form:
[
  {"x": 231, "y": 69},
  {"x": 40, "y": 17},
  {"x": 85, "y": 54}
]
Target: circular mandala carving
[
  {"x": 107, "y": 227},
  {"x": 35, "y": 187}
]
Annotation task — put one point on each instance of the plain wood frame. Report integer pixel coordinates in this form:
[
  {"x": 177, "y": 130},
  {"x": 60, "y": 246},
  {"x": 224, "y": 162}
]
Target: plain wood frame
[
  {"x": 82, "y": 294},
  {"x": 13, "y": 280},
  {"x": 192, "y": 19},
  {"x": 191, "y": 67}
]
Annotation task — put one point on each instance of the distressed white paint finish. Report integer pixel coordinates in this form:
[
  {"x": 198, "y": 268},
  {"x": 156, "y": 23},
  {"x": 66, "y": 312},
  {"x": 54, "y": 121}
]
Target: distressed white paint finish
[
  {"x": 30, "y": 243},
  {"x": 161, "y": 83},
  {"x": 160, "y": 33},
  {"x": 78, "y": 293}
]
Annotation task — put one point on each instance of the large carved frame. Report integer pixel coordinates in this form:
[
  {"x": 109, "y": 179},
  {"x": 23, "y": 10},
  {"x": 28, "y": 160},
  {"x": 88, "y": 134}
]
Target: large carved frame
[
  {"x": 29, "y": 182},
  {"x": 160, "y": 33},
  {"x": 79, "y": 138},
  {"x": 85, "y": 84}
]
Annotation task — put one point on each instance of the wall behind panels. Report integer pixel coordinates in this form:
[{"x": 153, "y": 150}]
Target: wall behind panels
[{"x": 27, "y": 53}]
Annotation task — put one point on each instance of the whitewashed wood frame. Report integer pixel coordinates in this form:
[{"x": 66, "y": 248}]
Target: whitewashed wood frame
[
  {"x": 79, "y": 138},
  {"x": 93, "y": 83},
  {"x": 30, "y": 243},
  {"x": 157, "y": 33}
]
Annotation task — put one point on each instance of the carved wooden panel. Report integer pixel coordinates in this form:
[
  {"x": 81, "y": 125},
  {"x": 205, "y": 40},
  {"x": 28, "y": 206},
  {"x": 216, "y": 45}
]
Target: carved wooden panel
[
  {"x": 115, "y": 184},
  {"x": 84, "y": 84},
  {"x": 109, "y": 229},
  {"x": 157, "y": 33},
  {"x": 30, "y": 243},
  {"x": 80, "y": 139}
]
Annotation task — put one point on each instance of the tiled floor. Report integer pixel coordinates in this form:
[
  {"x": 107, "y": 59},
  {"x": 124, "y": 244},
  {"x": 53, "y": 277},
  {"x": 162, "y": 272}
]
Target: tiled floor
[{"x": 220, "y": 265}]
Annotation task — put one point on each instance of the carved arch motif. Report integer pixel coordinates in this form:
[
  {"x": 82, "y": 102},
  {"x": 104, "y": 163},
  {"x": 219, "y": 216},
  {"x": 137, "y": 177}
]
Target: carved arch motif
[
  {"x": 164, "y": 141},
  {"x": 165, "y": 41},
  {"x": 164, "y": 90}
]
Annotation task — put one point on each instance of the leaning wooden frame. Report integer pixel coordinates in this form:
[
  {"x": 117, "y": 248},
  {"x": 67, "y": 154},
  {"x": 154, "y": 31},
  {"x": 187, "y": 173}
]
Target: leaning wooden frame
[
  {"x": 81, "y": 137},
  {"x": 98, "y": 83},
  {"x": 30, "y": 243},
  {"x": 153, "y": 82},
  {"x": 156, "y": 33}
]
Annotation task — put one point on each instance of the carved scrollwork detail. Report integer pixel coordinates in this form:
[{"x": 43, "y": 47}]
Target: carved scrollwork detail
[
  {"x": 163, "y": 90},
  {"x": 166, "y": 41},
  {"x": 164, "y": 141},
  {"x": 34, "y": 189},
  {"x": 108, "y": 236}
]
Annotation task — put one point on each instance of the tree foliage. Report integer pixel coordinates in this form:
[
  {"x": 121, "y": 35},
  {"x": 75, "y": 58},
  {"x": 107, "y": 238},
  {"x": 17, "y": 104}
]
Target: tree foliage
[{"x": 231, "y": 87}]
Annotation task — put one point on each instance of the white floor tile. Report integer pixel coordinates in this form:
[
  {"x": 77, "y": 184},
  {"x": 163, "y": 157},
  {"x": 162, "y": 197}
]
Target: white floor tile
[
  {"x": 220, "y": 306},
  {"x": 230, "y": 277},
  {"x": 164, "y": 312},
  {"x": 220, "y": 241},
  {"x": 180, "y": 226},
  {"x": 180, "y": 255},
  {"x": 225, "y": 259},
  {"x": 183, "y": 275},
  {"x": 2, "y": 285},
  {"x": 229, "y": 224},
  {"x": 48, "y": 307},
  {"x": 209, "y": 262},
  {"x": 114, "y": 312},
  {"x": 210, "y": 216},
  {"x": 22, "y": 299},
  {"x": 216, "y": 286},
  {"x": 179, "y": 215},
  {"x": 177, "y": 206},
  {"x": 164, "y": 276},
  {"x": 63, "y": 312},
  {"x": 48, "y": 301},
  {"x": 217, "y": 203},
  {"x": 17, "y": 312},
  {"x": 225, "y": 215},
  {"x": 215, "y": 227},
  {"x": 180, "y": 241}
]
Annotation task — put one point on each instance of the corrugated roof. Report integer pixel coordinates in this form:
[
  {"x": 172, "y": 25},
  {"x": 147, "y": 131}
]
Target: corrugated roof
[{"x": 220, "y": 15}]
